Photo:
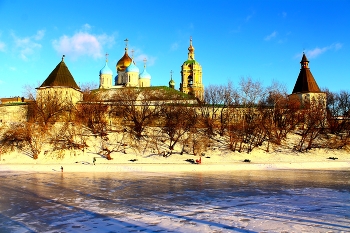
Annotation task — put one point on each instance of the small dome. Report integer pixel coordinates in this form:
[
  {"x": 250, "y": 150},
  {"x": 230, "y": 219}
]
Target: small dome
[
  {"x": 191, "y": 48},
  {"x": 132, "y": 68},
  {"x": 124, "y": 62},
  {"x": 172, "y": 82},
  {"x": 106, "y": 70},
  {"x": 145, "y": 74}
]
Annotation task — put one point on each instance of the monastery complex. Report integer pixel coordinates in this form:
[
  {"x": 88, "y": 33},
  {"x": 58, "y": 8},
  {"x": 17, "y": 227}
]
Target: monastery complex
[{"x": 62, "y": 83}]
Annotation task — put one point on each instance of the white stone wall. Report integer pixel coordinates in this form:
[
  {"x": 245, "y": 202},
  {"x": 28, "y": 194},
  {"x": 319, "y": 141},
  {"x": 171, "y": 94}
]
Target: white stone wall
[
  {"x": 16, "y": 113},
  {"x": 105, "y": 81},
  {"x": 70, "y": 95},
  {"x": 144, "y": 82}
]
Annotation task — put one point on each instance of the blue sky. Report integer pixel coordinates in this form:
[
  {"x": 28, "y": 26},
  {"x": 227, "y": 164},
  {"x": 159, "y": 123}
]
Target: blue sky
[{"x": 263, "y": 40}]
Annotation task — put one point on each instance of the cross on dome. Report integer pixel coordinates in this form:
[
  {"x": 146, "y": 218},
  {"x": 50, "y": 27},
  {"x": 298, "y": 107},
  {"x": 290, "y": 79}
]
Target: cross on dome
[
  {"x": 191, "y": 50},
  {"x": 126, "y": 43}
]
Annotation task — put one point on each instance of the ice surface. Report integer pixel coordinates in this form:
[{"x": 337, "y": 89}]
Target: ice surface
[{"x": 257, "y": 201}]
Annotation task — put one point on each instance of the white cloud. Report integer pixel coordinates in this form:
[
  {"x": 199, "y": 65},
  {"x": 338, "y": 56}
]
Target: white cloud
[
  {"x": 271, "y": 36},
  {"x": 104, "y": 39},
  {"x": 318, "y": 51},
  {"x": 150, "y": 59},
  {"x": 2, "y": 46},
  {"x": 86, "y": 27},
  {"x": 82, "y": 44},
  {"x": 27, "y": 46},
  {"x": 338, "y": 46},
  {"x": 140, "y": 56},
  {"x": 248, "y": 17},
  {"x": 39, "y": 35}
]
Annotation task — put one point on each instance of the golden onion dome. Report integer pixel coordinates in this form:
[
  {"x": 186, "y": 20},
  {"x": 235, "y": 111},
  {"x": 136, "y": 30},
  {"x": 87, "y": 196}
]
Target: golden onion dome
[{"x": 124, "y": 62}]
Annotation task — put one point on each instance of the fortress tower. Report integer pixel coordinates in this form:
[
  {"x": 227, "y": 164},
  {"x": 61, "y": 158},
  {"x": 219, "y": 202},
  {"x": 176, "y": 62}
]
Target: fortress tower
[
  {"x": 306, "y": 88},
  {"x": 60, "y": 83}
]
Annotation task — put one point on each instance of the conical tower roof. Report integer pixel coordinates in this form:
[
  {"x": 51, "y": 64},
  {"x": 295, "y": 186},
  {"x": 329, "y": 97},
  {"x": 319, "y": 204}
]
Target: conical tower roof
[
  {"x": 306, "y": 81},
  {"x": 60, "y": 76}
]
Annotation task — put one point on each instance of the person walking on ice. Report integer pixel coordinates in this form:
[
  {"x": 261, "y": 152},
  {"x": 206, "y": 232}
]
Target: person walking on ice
[{"x": 94, "y": 160}]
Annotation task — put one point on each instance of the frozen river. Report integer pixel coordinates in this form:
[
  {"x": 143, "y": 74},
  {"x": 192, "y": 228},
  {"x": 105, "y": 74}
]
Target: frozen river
[{"x": 241, "y": 201}]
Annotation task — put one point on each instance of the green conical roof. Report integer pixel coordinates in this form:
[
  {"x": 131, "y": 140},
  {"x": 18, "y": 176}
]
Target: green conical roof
[{"x": 60, "y": 76}]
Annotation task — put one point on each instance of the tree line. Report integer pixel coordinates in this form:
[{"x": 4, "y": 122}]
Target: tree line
[{"x": 151, "y": 120}]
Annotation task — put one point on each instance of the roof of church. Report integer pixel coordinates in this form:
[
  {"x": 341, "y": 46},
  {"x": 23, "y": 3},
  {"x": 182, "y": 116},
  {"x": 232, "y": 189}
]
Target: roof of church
[
  {"x": 145, "y": 74},
  {"x": 60, "y": 76},
  {"x": 124, "y": 62},
  {"x": 132, "y": 67},
  {"x": 106, "y": 70},
  {"x": 306, "y": 81}
]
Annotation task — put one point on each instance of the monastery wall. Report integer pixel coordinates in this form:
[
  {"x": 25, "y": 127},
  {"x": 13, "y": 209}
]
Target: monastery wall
[{"x": 13, "y": 113}]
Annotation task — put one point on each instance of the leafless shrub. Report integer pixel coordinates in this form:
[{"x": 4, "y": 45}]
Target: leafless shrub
[
  {"x": 27, "y": 137},
  {"x": 198, "y": 141},
  {"x": 68, "y": 136}
]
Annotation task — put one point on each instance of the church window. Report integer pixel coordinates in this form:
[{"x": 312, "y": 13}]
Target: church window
[{"x": 190, "y": 80}]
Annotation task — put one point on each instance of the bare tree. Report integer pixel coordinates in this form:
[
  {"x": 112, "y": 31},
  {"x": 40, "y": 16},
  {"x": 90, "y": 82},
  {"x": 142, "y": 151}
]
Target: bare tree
[
  {"x": 28, "y": 137},
  {"x": 313, "y": 117},
  {"x": 251, "y": 94},
  {"x": 210, "y": 108},
  {"x": 93, "y": 111},
  {"x": 139, "y": 108},
  {"x": 338, "y": 119},
  {"x": 178, "y": 120},
  {"x": 68, "y": 136},
  {"x": 229, "y": 98},
  {"x": 49, "y": 107},
  {"x": 278, "y": 113}
]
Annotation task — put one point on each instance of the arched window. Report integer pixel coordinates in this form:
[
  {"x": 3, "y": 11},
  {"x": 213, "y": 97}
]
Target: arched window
[{"x": 190, "y": 80}]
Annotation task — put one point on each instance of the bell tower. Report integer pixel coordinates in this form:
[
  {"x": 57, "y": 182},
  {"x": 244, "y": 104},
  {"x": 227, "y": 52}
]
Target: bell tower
[{"x": 191, "y": 75}]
